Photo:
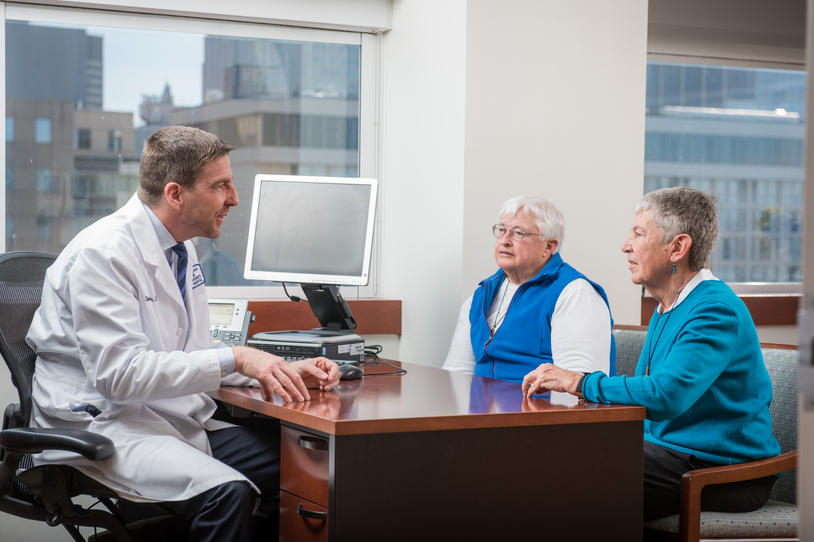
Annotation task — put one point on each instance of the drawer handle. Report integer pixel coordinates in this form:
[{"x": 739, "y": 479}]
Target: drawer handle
[
  {"x": 313, "y": 443},
  {"x": 314, "y": 514}
]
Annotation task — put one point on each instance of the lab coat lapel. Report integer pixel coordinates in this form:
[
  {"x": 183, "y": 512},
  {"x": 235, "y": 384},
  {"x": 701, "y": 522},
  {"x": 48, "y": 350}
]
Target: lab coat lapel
[
  {"x": 197, "y": 302},
  {"x": 153, "y": 257}
]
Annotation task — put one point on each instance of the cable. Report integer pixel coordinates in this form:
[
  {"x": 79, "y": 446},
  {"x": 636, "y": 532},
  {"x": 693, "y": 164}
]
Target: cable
[
  {"x": 291, "y": 297},
  {"x": 398, "y": 371},
  {"x": 373, "y": 351}
]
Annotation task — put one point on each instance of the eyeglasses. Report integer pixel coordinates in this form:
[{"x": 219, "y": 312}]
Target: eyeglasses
[{"x": 500, "y": 230}]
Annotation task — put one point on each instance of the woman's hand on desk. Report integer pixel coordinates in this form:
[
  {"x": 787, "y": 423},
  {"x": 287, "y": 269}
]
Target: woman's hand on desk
[{"x": 550, "y": 377}]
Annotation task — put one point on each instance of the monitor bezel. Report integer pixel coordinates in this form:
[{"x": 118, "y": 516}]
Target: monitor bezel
[{"x": 311, "y": 278}]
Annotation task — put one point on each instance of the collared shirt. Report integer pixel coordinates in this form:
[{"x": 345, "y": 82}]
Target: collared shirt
[
  {"x": 701, "y": 276},
  {"x": 165, "y": 239}
]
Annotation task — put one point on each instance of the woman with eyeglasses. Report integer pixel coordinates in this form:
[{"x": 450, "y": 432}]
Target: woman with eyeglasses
[
  {"x": 700, "y": 374},
  {"x": 536, "y": 309}
]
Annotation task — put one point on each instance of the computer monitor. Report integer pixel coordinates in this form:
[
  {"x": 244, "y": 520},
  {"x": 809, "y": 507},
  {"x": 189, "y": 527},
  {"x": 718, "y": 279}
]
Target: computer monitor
[{"x": 315, "y": 231}]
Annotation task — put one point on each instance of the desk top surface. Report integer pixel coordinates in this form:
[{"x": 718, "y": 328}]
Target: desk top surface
[{"x": 425, "y": 399}]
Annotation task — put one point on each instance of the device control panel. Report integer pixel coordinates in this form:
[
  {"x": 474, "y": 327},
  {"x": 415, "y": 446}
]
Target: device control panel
[{"x": 229, "y": 321}]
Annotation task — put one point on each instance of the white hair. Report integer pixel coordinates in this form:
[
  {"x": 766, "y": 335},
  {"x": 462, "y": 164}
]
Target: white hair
[
  {"x": 685, "y": 210},
  {"x": 546, "y": 217}
]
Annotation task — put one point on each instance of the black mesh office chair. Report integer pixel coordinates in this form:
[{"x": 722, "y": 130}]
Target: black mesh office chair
[{"x": 45, "y": 493}]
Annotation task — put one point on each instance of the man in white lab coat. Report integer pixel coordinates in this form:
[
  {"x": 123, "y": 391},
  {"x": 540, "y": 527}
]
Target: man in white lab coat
[{"x": 123, "y": 348}]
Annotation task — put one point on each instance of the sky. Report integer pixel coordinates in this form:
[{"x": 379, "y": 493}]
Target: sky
[{"x": 138, "y": 62}]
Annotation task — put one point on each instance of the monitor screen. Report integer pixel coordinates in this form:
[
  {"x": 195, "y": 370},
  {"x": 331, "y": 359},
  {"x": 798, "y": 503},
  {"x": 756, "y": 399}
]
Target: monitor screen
[{"x": 311, "y": 229}]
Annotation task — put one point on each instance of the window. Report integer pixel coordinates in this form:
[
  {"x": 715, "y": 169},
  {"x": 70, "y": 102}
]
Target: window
[
  {"x": 114, "y": 140},
  {"x": 83, "y": 138},
  {"x": 738, "y": 133},
  {"x": 79, "y": 189},
  {"x": 42, "y": 180},
  {"x": 42, "y": 231},
  {"x": 42, "y": 131},
  {"x": 288, "y": 99},
  {"x": 9, "y": 129}
]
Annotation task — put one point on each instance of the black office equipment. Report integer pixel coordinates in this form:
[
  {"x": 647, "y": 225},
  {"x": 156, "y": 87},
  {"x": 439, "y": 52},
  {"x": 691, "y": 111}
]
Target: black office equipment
[
  {"x": 294, "y": 345},
  {"x": 350, "y": 372}
]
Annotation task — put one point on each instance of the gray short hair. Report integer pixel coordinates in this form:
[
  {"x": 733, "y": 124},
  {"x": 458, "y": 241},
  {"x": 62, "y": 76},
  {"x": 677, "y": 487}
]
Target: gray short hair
[
  {"x": 546, "y": 217},
  {"x": 685, "y": 210},
  {"x": 176, "y": 153}
]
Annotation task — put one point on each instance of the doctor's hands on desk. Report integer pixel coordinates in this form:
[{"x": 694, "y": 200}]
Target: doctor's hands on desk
[{"x": 289, "y": 380}]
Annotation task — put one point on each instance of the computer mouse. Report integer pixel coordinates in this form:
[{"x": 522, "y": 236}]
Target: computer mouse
[{"x": 348, "y": 371}]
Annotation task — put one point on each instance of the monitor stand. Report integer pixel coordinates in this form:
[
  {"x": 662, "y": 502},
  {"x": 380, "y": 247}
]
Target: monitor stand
[{"x": 330, "y": 308}]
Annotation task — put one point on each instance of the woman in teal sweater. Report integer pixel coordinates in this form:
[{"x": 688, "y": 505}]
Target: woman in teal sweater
[{"x": 700, "y": 374}]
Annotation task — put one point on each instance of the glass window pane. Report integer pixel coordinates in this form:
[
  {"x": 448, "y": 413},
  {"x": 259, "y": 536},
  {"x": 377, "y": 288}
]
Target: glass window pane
[
  {"x": 93, "y": 98},
  {"x": 83, "y": 138},
  {"x": 43, "y": 228},
  {"x": 9, "y": 129},
  {"x": 42, "y": 182},
  {"x": 42, "y": 130},
  {"x": 737, "y": 133}
]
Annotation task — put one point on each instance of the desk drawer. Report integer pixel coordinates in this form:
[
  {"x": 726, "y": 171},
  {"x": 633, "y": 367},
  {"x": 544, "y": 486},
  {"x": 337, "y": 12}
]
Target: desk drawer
[
  {"x": 304, "y": 465},
  {"x": 302, "y": 520}
]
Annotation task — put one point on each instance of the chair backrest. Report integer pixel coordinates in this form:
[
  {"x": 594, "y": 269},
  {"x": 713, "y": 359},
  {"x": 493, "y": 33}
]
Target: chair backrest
[
  {"x": 629, "y": 344},
  {"x": 21, "y": 278},
  {"x": 782, "y": 365}
]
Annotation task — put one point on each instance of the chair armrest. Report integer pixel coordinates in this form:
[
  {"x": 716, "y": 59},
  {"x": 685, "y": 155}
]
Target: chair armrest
[
  {"x": 739, "y": 472},
  {"x": 31, "y": 440},
  {"x": 694, "y": 481}
]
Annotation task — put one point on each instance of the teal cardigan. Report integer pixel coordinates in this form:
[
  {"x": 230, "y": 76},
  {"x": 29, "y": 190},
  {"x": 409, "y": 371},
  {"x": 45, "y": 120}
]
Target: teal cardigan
[{"x": 708, "y": 391}]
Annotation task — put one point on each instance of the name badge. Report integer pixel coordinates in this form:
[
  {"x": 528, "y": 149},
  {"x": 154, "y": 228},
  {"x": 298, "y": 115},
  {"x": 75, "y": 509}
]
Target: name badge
[{"x": 197, "y": 276}]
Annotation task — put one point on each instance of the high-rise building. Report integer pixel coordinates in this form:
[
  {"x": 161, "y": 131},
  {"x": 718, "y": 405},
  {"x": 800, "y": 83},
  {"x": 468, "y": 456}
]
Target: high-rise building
[
  {"x": 60, "y": 64},
  {"x": 68, "y": 162},
  {"x": 288, "y": 107},
  {"x": 737, "y": 133}
]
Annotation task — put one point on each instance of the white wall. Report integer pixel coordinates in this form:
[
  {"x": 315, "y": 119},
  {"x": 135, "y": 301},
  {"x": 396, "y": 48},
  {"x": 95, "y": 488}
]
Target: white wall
[
  {"x": 555, "y": 108},
  {"x": 422, "y": 188},
  {"x": 480, "y": 104}
]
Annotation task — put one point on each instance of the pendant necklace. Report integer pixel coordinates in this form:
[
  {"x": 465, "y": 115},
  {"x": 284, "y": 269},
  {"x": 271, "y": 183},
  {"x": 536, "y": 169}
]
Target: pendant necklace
[
  {"x": 652, "y": 346},
  {"x": 499, "y": 317}
]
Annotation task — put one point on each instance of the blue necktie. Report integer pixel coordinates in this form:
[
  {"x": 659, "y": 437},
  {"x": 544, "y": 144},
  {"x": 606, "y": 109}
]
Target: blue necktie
[{"x": 181, "y": 268}]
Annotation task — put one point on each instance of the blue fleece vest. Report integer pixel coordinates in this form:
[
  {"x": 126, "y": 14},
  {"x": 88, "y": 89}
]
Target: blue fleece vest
[{"x": 523, "y": 341}]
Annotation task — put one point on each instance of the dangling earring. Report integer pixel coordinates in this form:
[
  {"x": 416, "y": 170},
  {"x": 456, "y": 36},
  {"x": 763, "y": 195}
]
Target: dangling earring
[{"x": 674, "y": 269}]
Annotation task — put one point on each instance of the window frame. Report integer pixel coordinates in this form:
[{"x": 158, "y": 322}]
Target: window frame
[{"x": 367, "y": 40}]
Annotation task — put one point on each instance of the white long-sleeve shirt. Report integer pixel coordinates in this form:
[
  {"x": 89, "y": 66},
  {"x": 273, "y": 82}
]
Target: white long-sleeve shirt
[{"x": 580, "y": 330}]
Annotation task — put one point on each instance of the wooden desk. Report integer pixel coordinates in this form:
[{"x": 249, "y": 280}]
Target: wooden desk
[{"x": 433, "y": 455}]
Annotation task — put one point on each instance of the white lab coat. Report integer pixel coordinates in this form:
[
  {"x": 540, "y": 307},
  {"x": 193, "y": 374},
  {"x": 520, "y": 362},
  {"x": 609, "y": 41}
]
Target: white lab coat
[{"x": 112, "y": 332}]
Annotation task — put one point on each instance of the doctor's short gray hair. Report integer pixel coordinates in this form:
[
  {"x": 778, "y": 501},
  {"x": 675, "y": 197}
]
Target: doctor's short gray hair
[
  {"x": 546, "y": 217},
  {"x": 176, "y": 154},
  {"x": 685, "y": 210}
]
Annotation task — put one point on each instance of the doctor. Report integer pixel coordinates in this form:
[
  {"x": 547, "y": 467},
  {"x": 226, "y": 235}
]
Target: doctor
[{"x": 123, "y": 349}]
